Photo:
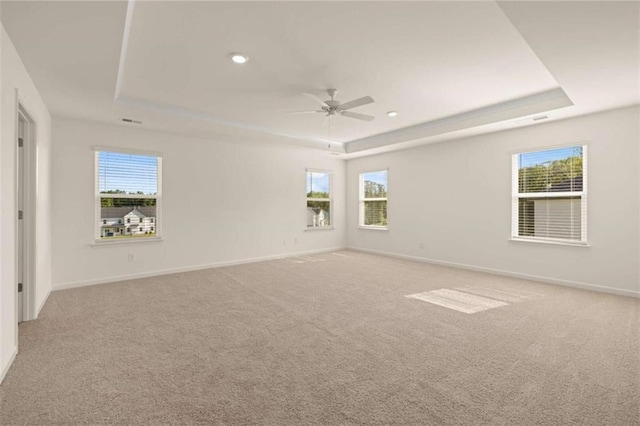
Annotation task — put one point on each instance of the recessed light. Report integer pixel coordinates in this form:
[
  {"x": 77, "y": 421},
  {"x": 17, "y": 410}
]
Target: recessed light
[
  {"x": 239, "y": 58},
  {"x": 392, "y": 113}
]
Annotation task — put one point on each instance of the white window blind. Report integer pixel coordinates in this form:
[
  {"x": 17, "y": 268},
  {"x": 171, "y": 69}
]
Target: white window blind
[
  {"x": 319, "y": 199},
  {"x": 550, "y": 195},
  {"x": 127, "y": 195},
  {"x": 373, "y": 199}
]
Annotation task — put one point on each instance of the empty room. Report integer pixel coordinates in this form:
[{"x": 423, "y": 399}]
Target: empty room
[{"x": 320, "y": 212}]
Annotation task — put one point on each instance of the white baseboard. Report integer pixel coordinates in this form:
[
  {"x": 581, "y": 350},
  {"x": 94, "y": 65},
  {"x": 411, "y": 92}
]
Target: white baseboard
[
  {"x": 546, "y": 280},
  {"x": 127, "y": 277},
  {"x": 5, "y": 368}
]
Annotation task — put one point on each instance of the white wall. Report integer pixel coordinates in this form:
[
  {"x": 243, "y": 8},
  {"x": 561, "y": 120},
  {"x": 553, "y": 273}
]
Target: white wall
[
  {"x": 223, "y": 201},
  {"x": 7, "y": 346},
  {"x": 455, "y": 197},
  {"x": 14, "y": 76}
]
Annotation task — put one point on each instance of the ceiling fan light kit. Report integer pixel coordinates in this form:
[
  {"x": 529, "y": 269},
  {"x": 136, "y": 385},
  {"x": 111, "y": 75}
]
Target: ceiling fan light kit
[{"x": 333, "y": 107}]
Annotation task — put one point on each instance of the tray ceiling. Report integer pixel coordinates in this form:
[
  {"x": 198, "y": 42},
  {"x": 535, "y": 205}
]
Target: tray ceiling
[{"x": 446, "y": 67}]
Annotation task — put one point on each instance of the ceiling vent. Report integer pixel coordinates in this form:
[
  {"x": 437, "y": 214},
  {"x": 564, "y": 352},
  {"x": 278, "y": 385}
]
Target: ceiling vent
[
  {"x": 530, "y": 119},
  {"x": 132, "y": 121}
]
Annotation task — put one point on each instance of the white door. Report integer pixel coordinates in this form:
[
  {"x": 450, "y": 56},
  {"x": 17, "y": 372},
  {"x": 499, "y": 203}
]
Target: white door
[{"x": 20, "y": 252}]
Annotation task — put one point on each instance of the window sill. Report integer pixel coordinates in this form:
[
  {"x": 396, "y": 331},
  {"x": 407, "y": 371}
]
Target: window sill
[
  {"x": 319, "y": 228},
  {"x": 552, "y": 242},
  {"x": 374, "y": 228},
  {"x": 128, "y": 241}
]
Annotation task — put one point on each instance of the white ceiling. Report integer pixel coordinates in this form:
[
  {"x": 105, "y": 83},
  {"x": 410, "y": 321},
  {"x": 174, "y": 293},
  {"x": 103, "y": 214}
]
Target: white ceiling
[{"x": 450, "y": 69}]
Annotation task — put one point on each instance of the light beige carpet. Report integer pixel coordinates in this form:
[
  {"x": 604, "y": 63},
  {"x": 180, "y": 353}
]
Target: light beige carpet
[{"x": 326, "y": 339}]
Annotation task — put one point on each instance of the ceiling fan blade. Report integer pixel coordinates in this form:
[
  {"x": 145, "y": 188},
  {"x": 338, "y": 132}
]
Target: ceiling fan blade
[
  {"x": 302, "y": 112},
  {"x": 356, "y": 103},
  {"x": 315, "y": 99},
  {"x": 364, "y": 117}
]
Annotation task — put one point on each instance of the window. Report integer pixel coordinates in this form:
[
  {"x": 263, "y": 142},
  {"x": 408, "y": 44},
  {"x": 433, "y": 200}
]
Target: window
[
  {"x": 127, "y": 187},
  {"x": 550, "y": 195},
  {"x": 319, "y": 212},
  {"x": 373, "y": 199}
]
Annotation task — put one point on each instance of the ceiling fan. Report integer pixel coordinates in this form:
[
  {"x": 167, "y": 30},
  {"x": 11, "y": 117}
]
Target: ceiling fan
[{"x": 333, "y": 107}]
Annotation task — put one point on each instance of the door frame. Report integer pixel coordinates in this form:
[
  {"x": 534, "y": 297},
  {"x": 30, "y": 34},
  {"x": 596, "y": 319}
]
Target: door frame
[{"x": 29, "y": 210}]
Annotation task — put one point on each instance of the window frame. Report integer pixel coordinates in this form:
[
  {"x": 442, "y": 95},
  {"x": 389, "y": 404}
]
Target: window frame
[
  {"x": 362, "y": 200},
  {"x": 516, "y": 196},
  {"x": 330, "y": 199},
  {"x": 97, "y": 240}
]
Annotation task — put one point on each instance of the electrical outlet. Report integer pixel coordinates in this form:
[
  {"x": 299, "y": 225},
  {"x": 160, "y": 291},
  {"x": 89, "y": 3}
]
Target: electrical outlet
[
  {"x": 131, "y": 258},
  {"x": 421, "y": 245},
  {"x": 284, "y": 242},
  {"x": 295, "y": 241}
]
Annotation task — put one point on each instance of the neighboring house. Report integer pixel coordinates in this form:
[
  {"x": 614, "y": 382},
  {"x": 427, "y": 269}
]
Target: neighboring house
[
  {"x": 548, "y": 211},
  {"x": 317, "y": 217},
  {"x": 116, "y": 221}
]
